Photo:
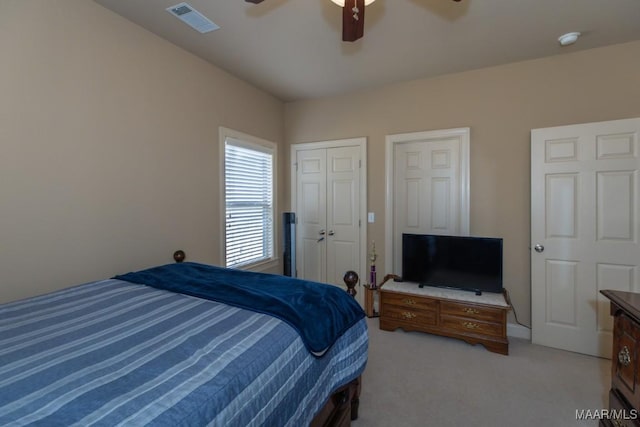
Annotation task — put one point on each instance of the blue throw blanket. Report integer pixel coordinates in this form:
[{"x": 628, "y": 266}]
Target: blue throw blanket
[{"x": 319, "y": 312}]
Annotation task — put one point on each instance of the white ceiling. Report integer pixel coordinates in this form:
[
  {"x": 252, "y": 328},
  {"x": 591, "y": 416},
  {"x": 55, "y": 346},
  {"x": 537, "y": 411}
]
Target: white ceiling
[{"x": 293, "y": 48}]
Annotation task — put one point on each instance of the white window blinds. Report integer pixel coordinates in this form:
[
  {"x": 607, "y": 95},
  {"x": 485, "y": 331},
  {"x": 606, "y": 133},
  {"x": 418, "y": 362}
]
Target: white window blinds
[{"x": 249, "y": 202}]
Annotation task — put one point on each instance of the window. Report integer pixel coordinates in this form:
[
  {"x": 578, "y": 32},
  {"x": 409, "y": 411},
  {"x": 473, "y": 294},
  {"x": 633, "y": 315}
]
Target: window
[{"x": 249, "y": 165}]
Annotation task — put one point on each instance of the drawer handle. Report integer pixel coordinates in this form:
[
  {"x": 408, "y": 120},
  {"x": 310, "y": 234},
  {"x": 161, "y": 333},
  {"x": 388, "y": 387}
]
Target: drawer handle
[
  {"x": 617, "y": 423},
  {"x": 409, "y": 301},
  {"x": 471, "y": 310},
  {"x": 408, "y": 315},
  {"x": 470, "y": 325},
  {"x": 624, "y": 357}
]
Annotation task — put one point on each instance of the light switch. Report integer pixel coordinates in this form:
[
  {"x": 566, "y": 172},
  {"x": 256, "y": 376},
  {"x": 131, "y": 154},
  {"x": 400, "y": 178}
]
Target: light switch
[{"x": 371, "y": 217}]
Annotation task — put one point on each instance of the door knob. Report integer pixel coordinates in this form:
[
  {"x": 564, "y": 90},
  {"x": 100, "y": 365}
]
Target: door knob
[
  {"x": 321, "y": 232},
  {"x": 539, "y": 248},
  {"x": 331, "y": 233}
]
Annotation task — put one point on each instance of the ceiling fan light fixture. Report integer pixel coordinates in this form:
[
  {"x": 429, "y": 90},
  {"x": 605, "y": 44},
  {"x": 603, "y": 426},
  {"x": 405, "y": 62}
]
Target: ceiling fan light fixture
[{"x": 341, "y": 2}]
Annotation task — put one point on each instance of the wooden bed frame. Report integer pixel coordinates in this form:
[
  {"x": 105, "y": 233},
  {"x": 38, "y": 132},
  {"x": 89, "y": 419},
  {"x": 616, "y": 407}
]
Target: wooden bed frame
[{"x": 342, "y": 406}]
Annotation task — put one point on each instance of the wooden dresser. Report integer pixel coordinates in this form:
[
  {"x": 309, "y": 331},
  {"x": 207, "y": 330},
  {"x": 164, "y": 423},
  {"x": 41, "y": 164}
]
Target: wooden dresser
[
  {"x": 624, "y": 395},
  {"x": 476, "y": 319}
]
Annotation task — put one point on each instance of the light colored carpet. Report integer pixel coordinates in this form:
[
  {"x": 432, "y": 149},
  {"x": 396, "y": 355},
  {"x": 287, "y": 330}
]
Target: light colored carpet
[{"x": 417, "y": 379}]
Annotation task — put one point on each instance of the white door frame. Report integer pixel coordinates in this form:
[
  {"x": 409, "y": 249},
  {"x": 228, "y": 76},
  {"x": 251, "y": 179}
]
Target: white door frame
[
  {"x": 361, "y": 143},
  {"x": 463, "y": 134}
]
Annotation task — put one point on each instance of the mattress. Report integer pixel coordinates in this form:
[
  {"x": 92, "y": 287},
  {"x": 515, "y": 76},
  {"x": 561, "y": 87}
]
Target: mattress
[{"x": 116, "y": 353}]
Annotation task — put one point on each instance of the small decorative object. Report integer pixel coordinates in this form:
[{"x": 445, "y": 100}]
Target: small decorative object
[
  {"x": 179, "y": 255},
  {"x": 372, "y": 257},
  {"x": 351, "y": 279},
  {"x": 371, "y": 291}
]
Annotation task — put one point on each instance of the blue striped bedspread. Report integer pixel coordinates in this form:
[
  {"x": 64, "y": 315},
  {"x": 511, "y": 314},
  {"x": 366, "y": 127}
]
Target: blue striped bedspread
[{"x": 115, "y": 353}]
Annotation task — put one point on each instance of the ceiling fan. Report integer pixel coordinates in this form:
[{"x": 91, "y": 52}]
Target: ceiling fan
[{"x": 352, "y": 17}]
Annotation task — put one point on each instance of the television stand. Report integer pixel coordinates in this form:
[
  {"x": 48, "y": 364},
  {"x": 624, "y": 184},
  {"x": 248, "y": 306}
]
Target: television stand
[{"x": 476, "y": 319}]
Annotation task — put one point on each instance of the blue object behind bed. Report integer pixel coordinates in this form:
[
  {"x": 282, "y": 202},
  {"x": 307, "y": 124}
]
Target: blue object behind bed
[{"x": 319, "y": 312}]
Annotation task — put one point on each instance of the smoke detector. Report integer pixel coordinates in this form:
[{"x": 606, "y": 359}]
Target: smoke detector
[
  {"x": 192, "y": 17},
  {"x": 569, "y": 38}
]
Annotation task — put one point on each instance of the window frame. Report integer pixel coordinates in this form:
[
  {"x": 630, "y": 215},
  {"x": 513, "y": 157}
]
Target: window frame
[{"x": 258, "y": 144}]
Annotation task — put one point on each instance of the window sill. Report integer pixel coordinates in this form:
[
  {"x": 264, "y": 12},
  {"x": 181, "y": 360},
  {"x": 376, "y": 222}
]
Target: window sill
[{"x": 260, "y": 266}]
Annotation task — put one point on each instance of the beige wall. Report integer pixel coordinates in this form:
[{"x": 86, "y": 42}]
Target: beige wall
[
  {"x": 109, "y": 150},
  {"x": 108, "y": 146},
  {"x": 500, "y": 105}
]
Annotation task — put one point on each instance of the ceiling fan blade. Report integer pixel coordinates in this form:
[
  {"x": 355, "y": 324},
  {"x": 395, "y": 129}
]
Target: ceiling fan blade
[
  {"x": 260, "y": 1},
  {"x": 352, "y": 20}
]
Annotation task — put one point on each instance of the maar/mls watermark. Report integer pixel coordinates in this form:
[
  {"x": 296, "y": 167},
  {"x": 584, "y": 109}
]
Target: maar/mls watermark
[{"x": 607, "y": 414}]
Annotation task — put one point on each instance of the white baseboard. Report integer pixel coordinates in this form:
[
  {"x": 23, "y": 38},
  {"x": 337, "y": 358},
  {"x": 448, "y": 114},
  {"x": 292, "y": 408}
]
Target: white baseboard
[{"x": 518, "y": 331}]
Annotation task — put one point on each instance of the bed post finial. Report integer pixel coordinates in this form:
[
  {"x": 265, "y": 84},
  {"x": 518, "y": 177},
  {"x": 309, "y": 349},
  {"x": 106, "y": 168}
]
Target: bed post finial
[
  {"x": 179, "y": 255},
  {"x": 351, "y": 279}
]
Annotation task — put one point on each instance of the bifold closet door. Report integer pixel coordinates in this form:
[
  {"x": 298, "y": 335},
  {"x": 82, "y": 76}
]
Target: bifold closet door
[{"x": 328, "y": 228}]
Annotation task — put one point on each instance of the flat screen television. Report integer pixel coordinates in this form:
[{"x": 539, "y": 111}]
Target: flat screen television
[{"x": 460, "y": 262}]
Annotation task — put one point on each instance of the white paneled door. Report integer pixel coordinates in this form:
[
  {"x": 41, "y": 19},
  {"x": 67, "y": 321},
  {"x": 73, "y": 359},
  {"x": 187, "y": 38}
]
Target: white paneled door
[
  {"x": 584, "y": 230},
  {"x": 328, "y": 206},
  {"x": 430, "y": 186},
  {"x": 311, "y": 227}
]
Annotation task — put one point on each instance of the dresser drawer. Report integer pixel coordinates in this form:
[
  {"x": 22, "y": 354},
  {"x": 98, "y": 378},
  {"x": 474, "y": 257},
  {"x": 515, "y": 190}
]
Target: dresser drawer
[
  {"x": 409, "y": 315},
  {"x": 623, "y": 415},
  {"x": 625, "y": 361},
  {"x": 471, "y": 326},
  {"x": 408, "y": 301},
  {"x": 471, "y": 311}
]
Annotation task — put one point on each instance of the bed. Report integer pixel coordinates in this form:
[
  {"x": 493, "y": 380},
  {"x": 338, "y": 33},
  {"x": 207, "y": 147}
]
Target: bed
[{"x": 117, "y": 352}]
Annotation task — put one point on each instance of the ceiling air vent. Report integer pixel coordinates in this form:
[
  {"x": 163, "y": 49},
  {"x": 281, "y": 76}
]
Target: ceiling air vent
[{"x": 192, "y": 17}]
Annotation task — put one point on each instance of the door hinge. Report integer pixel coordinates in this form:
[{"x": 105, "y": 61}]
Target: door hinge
[
  {"x": 359, "y": 223},
  {"x": 360, "y": 164},
  {"x": 296, "y": 165}
]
